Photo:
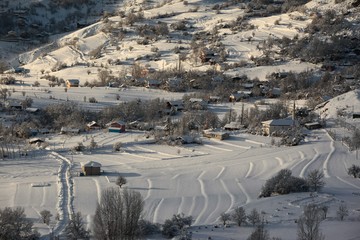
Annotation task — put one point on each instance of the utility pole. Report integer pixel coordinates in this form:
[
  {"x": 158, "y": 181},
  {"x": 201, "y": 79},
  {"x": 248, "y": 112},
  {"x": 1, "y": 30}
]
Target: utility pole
[{"x": 242, "y": 114}]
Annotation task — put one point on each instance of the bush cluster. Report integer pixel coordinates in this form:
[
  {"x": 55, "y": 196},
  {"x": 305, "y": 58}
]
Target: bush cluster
[
  {"x": 174, "y": 226},
  {"x": 354, "y": 171},
  {"x": 283, "y": 183}
]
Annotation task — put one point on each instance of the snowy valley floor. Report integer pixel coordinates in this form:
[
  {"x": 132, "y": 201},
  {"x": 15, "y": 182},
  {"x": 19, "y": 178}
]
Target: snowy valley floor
[{"x": 198, "y": 180}]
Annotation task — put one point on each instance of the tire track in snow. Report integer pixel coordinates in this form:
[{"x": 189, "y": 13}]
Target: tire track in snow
[
  {"x": 326, "y": 162},
  {"x": 206, "y": 197},
  {"x": 302, "y": 173},
  {"x": 248, "y": 198}
]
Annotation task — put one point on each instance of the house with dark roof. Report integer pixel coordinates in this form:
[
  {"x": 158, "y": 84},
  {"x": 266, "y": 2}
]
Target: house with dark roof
[
  {"x": 276, "y": 126},
  {"x": 72, "y": 83}
]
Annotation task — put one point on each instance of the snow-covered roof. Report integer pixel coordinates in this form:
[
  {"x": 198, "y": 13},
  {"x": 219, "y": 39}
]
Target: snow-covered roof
[
  {"x": 280, "y": 122},
  {"x": 90, "y": 164}
]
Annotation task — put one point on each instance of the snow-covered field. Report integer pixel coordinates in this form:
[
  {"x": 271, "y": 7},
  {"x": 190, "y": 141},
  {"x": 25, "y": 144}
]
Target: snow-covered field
[{"x": 198, "y": 180}]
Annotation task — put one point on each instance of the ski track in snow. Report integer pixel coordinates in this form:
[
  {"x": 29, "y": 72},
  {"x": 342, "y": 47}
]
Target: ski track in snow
[
  {"x": 98, "y": 189},
  {"x": 251, "y": 166},
  {"x": 217, "y": 148},
  {"x": 43, "y": 201},
  {"x": 206, "y": 198},
  {"x": 280, "y": 160},
  {"x": 220, "y": 173},
  {"x": 157, "y": 209},
  {"x": 326, "y": 162},
  {"x": 149, "y": 182},
  {"x": 248, "y": 198},
  {"x": 302, "y": 173},
  {"x": 232, "y": 197},
  {"x": 348, "y": 183},
  {"x": 302, "y": 159},
  {"x": 160, "y": 153},
  {"x": 181, "y": 205}
]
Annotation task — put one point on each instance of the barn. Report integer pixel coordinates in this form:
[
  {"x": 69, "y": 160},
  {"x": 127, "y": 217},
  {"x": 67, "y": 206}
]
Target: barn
[{"x": 91, "y": 168}]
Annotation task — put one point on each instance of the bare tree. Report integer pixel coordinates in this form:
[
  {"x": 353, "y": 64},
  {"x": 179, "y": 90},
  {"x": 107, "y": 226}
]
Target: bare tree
[
  {"x": 325, "y": 210},
  {"x": 45, "y": 216},
  {"x": 76, "y": 229},
  {"x": 239, "y": 216},
  {"x": 342, "y": 212},
  {"x": 260, "y": 233},
  {"x": 117, "y": 215},
  {"x": 315, "y": 180},
  {"x": 14, "y": 225},
  {"x": 309, "y": 223},
  {"x": 224, "y": 217},
  {"x": 254, "y": 217},
  {"x": 120, "y": 181}
]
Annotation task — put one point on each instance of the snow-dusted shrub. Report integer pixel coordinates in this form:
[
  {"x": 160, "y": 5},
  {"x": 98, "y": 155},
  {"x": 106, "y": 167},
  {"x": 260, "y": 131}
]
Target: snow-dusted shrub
[
  {"x": 176, "y": 225},
  {"x": 147, "y": 228},
  {"x": 283, "y": 183},
  {"x": 354, "y": 171}
]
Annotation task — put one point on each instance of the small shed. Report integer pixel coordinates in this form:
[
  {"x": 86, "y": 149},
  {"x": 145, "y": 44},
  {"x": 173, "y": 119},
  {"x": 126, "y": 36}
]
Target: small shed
[
  {"x": 312, "y": 125},
  {"x": 91, "y": 168},
  {"x": 116, "y": 126},
  {"x": 216, "y": 134},
  {"x": 35, "y": 140}
]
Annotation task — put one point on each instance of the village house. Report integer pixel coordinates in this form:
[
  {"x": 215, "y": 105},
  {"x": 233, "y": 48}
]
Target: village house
[
  {"x": 312, "y": 125},
  {"x": 214, "y": 99},
  {"x": 276, "y": 126},
  {"x": 197, "y": 103},
  {"x": 66, "y": 130},
  {"x": 152, "y": 83},
  {"x": 232, "y": 126},
  {"x": 116, "y": 126},
  {"x": 72, "y": 83},
  {"x": 220, "y": 135},
  {"x": 91, "y": 168},
  {"x": 237, "y": 96},
  {"x": 12, "y": 105},
  {"x": 176, "y": 105},
  {"x": 93, "y": 126}
]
